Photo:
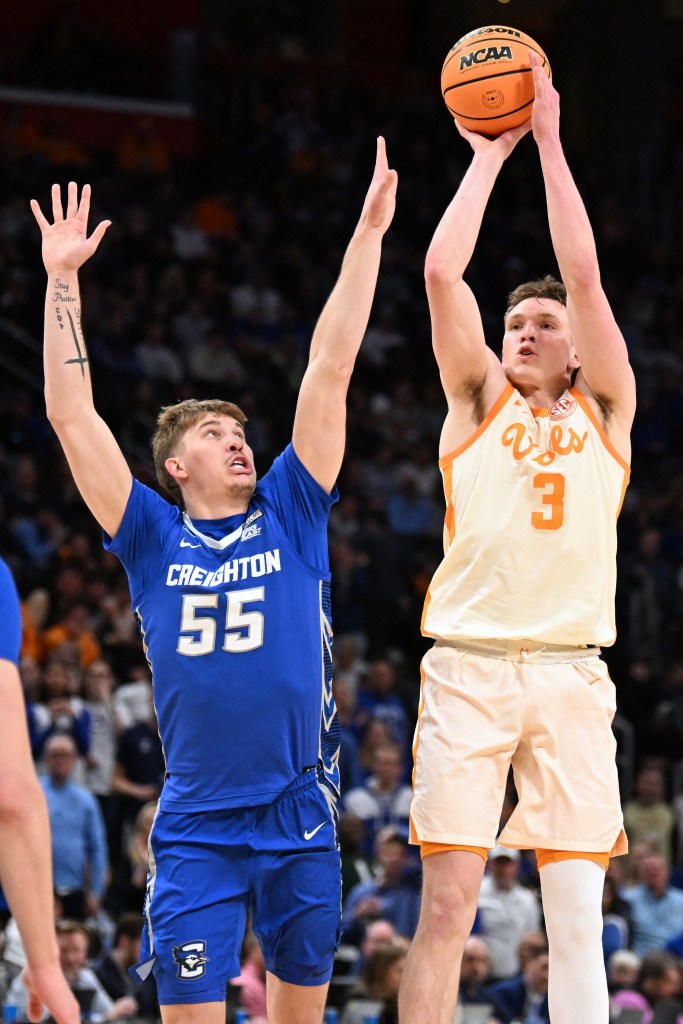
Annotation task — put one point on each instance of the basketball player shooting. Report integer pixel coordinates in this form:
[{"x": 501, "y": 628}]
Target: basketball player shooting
[
  {"x": 534, "y": 455},
  {"x": 230, "y": 584}
]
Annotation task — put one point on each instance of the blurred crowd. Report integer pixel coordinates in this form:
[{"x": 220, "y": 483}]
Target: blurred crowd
[{"x": 208, "y": 284}]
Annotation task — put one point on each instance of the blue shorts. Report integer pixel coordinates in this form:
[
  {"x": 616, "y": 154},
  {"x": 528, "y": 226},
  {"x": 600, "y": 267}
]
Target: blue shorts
[{"x": 209, "y": 868}]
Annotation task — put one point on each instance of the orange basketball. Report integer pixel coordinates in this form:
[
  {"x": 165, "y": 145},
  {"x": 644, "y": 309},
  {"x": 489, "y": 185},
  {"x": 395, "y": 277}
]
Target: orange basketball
[{"x": 486, "y": 79}]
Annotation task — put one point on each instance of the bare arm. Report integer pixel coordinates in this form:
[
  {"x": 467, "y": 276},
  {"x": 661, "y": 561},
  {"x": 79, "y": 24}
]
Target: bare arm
[
  {"x": 97, "y": 463},
  {"x": 25, "y": 856},
  {"x": 599, "y": 343},
  {"x": 457, "y": 332},
  {"x": 320, "y": 421}
]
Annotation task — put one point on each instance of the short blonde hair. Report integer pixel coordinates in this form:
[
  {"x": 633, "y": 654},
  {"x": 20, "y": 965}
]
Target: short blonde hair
[
  {"x": 547, "y": 287},
  {"x": 173, "y": 422}
]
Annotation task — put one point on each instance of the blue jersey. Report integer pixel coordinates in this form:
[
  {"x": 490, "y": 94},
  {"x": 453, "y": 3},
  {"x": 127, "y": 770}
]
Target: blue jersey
[
  {"x": 235, "y": 617},
  {"x": 10, "y": 616}
]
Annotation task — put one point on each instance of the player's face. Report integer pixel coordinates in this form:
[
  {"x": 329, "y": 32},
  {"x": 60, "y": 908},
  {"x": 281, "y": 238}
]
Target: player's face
[
  {"x": 537, "y": 346},
  {"x": 216, "y": 457}
]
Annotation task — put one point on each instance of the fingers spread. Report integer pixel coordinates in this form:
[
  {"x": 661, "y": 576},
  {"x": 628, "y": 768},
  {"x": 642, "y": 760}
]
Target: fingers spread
[
  {"x": 57, "y": 212},
  {"x": 72, "y": 199},
  {"x": 39, "y": 215},
  {"x": 84, "y": 207}
]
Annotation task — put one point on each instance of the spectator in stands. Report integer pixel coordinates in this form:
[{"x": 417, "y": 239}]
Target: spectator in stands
[
  {"x": 384, "y": 799},
  {"x": 656, "y": 907},
  {"x": 133, "y": 701},
  {"x": 411, "y": 513},
  {"x": 623, "y": 969},
  {"x": 377, "y": 699},
  {"x": 475, "y": 971},
  {"x": 378, "y": 933},
  {"x": 98, "y": 683},
  {"x": 111, "y": 968},
  {"x": 62, "y": 713},
  {"x": 648, "y": 816},
  {"x": 507, "y": 911},
  {"x": 615, "y": 919},
  {"x": 74, "y": 628},
  {"x": 378, "y": 993},
  {"x": 523, "y": 998},
  {"x": 350, "y": 772},
  {"x": 394, "y": 893},
  {"x": 127, "y": 891},
  {"x": 79, "y": 846},
  {"x": 139, "y": 767},
  {"x": 349, "y": 665},
  {"x": 73, "y": 939},
  {"x": 355, "y": 866},
  {"x": 657, "y": 989}
]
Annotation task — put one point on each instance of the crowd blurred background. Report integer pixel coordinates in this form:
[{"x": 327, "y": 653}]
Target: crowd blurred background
[{"x": 231, "y": 144}]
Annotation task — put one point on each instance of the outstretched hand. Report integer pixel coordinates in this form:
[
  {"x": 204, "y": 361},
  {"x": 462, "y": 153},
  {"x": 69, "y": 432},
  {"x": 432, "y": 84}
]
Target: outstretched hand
[
  {"x": 502, "y": 144},
  {"x": 66, "y": 245},
  {"x": 380, "y": 202},
  {"x": 545, "y": 113}
]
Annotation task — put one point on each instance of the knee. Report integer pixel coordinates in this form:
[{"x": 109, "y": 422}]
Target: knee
[
  {"x": 582, "y": 927},
  {"x": 449, "y": 914}
]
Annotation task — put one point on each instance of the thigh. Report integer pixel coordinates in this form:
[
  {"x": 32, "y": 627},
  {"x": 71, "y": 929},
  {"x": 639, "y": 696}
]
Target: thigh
[
  {"x": 565, "y": 768},
  {"x": 471, "y": 716},
  {"x": 196, "y": 905},
  {"x": 297, "y": 887}
]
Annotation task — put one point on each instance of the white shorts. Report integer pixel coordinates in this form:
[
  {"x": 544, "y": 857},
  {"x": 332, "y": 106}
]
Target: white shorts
[{"x": 521, "y": 705}]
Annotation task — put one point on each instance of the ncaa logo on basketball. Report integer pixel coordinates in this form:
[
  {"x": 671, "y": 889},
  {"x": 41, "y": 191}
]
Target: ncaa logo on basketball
[
  {"x": 483, "y": 56},
  {"x": 190, "y": 958}
]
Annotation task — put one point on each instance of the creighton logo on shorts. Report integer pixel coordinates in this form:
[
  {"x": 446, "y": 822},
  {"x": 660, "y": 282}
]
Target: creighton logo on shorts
[{"x": 190, "y": 959}]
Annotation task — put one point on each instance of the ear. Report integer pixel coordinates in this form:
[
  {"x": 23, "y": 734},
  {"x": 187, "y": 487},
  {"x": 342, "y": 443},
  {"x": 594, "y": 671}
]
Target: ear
[
  {"x": 175, "y": 468},
  {"x": 574, "y": 362}
]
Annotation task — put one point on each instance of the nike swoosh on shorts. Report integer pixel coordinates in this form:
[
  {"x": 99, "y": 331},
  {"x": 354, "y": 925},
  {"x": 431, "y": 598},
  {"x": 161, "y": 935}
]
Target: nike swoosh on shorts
[{"x": 309, "y": 835}]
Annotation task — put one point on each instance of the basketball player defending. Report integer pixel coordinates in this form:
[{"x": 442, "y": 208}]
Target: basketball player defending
[
  {"x": 25, "y": 852},
  {"x": 231, "y": 588},
  {"x": 534, "y": 455}
]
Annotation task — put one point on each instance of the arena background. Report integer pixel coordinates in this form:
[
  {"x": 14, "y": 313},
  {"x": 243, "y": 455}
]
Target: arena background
[{"x": 230, "y": 142}]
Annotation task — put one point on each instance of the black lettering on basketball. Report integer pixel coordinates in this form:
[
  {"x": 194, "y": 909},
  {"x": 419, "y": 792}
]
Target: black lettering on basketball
[{"x": 483, "y": 56}]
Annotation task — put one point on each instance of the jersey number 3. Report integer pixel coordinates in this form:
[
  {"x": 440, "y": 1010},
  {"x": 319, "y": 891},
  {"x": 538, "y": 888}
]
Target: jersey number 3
[
  {"x": 552, "y": 514},
  {"x": 243, "y": 629}
]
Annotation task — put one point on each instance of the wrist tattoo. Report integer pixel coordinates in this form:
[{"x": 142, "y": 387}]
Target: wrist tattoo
[{"x": 82, "y": 357}]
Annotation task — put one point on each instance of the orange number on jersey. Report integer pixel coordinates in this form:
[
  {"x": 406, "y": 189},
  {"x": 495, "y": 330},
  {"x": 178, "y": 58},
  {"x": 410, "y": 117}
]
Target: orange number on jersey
[{"x": 552, "y": 485}]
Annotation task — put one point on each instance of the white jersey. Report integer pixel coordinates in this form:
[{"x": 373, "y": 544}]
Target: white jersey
[{"x": 532, "y": 500}]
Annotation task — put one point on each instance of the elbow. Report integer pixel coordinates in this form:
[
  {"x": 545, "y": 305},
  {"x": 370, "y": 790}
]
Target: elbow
[
  {"x": 55, "y": 415},
  {"x": 334, "y": 369},
  {"x": 439, "y": 270},
  {"x": 18, "y": 801}
]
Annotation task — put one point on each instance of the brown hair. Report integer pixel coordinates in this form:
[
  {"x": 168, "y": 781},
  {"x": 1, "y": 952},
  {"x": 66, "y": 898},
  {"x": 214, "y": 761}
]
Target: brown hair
[
  {"x": 378, "y": 966},
  {"x": 547, "y": 287},
  {"x": 172, "y": 422},
  {"x": 65, "y": 926}
]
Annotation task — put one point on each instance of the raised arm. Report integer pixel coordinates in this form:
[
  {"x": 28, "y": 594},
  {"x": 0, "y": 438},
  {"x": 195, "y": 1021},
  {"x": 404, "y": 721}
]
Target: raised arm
[
  {"x": 457, "y": 332},
  {"x": 97, "y": 463},
  {"x": 599, "y": 343},
  {"x": 320, "y": 421}
]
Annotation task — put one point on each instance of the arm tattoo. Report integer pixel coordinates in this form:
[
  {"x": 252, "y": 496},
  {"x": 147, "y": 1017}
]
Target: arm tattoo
[{"x": 82, "y": 357}]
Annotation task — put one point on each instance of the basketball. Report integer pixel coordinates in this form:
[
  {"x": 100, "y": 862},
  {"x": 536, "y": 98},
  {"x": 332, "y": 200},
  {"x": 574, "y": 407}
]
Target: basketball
[{"x": 486, "y": 79}]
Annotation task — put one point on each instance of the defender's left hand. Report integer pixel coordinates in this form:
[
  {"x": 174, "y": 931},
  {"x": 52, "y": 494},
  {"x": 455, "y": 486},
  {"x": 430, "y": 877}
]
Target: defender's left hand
[
  {"x": 380, "y": 202},
  {"x": 545, "y": 112}
]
